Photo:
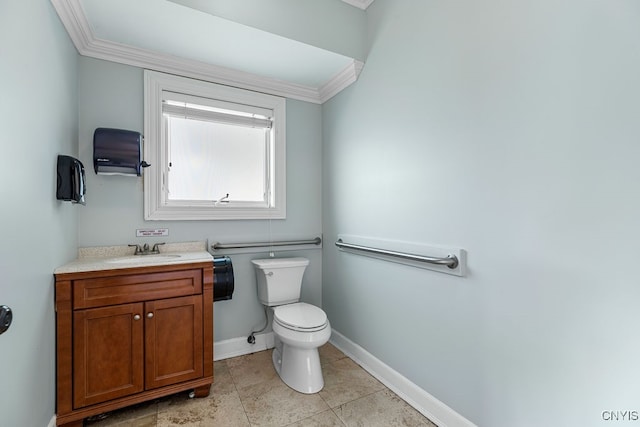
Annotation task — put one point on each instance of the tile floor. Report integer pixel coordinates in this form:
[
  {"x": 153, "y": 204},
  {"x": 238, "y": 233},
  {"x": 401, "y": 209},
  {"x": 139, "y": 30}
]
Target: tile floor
[{"x": 248, "y": 392}]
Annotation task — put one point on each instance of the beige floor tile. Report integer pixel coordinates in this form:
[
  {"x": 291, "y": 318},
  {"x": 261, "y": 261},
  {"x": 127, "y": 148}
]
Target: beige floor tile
[
  {"x": 220, "y": 367},
  {"x": 381, "y": 409},
  {"x": 273, "y": 403},
  {"x": 222, "y": 407},
  {"x": 323, "y": 419},
  {"x": 222, "y": 410},
  {"x": 140, "y": 415},
  {"x": 329, "y": 353},
  {"x": 248, "y": 392},
  {"x": 143, "y": 421},
  {"x": 251, "y": 369},
  {"x": 345, "y": 381},
  {"x": 222, "y": 379}
]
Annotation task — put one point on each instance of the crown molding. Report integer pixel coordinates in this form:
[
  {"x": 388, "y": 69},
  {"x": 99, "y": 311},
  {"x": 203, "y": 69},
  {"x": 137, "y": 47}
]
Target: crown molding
[
  {"x": 340, "y": 81},
  {"x": 128, "y": 55},
  {"x": 360, "y": 4},
  {"x": 74, "y": 20}
]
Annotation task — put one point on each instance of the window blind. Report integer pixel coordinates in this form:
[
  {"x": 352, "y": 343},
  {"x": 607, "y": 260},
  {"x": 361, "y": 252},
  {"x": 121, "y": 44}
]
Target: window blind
[{"x": 189, "y": 107}]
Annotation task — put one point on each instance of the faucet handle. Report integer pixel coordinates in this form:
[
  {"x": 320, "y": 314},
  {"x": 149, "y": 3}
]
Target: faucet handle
[
  {"x": 138, "y": 249},
  {"x": 155, "y": 249}
]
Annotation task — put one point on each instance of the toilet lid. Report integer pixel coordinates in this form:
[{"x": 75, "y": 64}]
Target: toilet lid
[{"x": 300, "y": 316}]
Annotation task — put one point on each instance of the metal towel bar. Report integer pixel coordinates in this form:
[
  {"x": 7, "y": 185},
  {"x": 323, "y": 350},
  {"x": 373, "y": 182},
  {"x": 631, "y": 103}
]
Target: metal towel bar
[
  {"x": 450, "y": 261},
  {"x": 217, "y": 246}
]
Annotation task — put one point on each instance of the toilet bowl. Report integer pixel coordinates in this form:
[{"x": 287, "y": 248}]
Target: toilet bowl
[
  {"x": 299, "y": 328},
  {"x": 297, "y": 338}
]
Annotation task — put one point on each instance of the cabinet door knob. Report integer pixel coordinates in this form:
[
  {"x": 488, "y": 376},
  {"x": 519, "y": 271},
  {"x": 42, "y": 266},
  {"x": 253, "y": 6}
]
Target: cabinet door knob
[
  {"x": 136, "y": 317},
  {"x": 150, "y": 315}
]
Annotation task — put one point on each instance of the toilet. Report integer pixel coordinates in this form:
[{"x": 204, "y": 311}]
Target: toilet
[{"x": 299, "y": 328}]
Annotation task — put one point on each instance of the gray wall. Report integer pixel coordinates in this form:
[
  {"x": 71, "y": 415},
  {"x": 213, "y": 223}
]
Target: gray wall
[
  {"x": 111, "y": 95},
  {"x": 38, "y": 110},
  {"x": 509, "y": 129}
]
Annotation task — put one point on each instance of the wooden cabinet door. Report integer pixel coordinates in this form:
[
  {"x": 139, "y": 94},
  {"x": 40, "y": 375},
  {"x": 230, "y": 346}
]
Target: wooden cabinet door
[
  {"x": 173, "y": 341},
  {"x": 108, "y": 353}
]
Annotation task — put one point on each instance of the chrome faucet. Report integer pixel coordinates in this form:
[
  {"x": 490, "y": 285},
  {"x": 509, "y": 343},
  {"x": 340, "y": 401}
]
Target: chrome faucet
[
  {"x": 144, "y": 250},
  {"x": 156, "y": 249}
]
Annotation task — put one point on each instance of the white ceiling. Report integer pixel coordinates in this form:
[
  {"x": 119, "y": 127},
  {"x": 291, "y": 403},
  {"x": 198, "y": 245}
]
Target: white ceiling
[{"x": 171, "y": 37}]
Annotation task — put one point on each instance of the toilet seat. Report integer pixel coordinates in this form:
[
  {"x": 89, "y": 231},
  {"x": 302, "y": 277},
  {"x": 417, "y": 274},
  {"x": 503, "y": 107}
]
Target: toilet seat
[{"x": 300, "y": 316}]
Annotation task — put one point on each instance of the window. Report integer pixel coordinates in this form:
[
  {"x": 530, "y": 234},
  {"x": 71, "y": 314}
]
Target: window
[{"x": 216, "y": 152}]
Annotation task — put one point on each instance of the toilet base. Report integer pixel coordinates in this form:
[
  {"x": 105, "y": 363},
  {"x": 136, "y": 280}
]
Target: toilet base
[{"x": 298, "y": 368}]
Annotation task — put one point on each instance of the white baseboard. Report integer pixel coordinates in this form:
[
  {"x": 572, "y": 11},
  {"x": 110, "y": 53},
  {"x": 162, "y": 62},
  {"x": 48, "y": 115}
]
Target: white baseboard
[
  {"x": 419, "y": 399},
  {"x": 239, "y": 346},
  {"x": 52, "y": 422}
]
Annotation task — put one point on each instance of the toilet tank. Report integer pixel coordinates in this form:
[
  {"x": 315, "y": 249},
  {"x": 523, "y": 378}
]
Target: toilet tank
[{"x": 279, "y": 279}]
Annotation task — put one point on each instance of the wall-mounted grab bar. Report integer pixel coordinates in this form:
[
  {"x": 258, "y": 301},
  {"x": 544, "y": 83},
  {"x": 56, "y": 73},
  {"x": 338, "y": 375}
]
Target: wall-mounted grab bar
[
  {"x": 217, "y": 245},
  {"x": 450, "y": 261}
]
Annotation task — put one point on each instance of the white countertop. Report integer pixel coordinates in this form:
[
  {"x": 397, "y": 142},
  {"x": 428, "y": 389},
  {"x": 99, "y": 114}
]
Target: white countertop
[{"x": 117, "y": 257}]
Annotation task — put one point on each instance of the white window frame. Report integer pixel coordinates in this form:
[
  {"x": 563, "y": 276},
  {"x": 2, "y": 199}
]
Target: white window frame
[{"x": 156, "y": 203}]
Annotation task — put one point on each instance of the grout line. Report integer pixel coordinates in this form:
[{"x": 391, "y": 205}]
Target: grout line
[
  {"x": 235, "y": 386},
  {"x": 327, "y": 403}
]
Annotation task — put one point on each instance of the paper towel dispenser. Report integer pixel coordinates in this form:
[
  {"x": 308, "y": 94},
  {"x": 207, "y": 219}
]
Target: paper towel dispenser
[
  {"x": 70, "y": 180},
  {"x": 117, "y": 152},
  {"x": 222, "y": 278}
]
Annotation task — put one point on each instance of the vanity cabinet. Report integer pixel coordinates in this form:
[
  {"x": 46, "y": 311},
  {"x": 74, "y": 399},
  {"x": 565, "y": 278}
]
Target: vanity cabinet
[{"x": 129, "y": 335}]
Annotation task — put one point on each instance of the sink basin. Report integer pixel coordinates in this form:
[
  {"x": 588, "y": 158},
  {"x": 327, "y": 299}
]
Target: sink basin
[{"x": 143, "y": 259}]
